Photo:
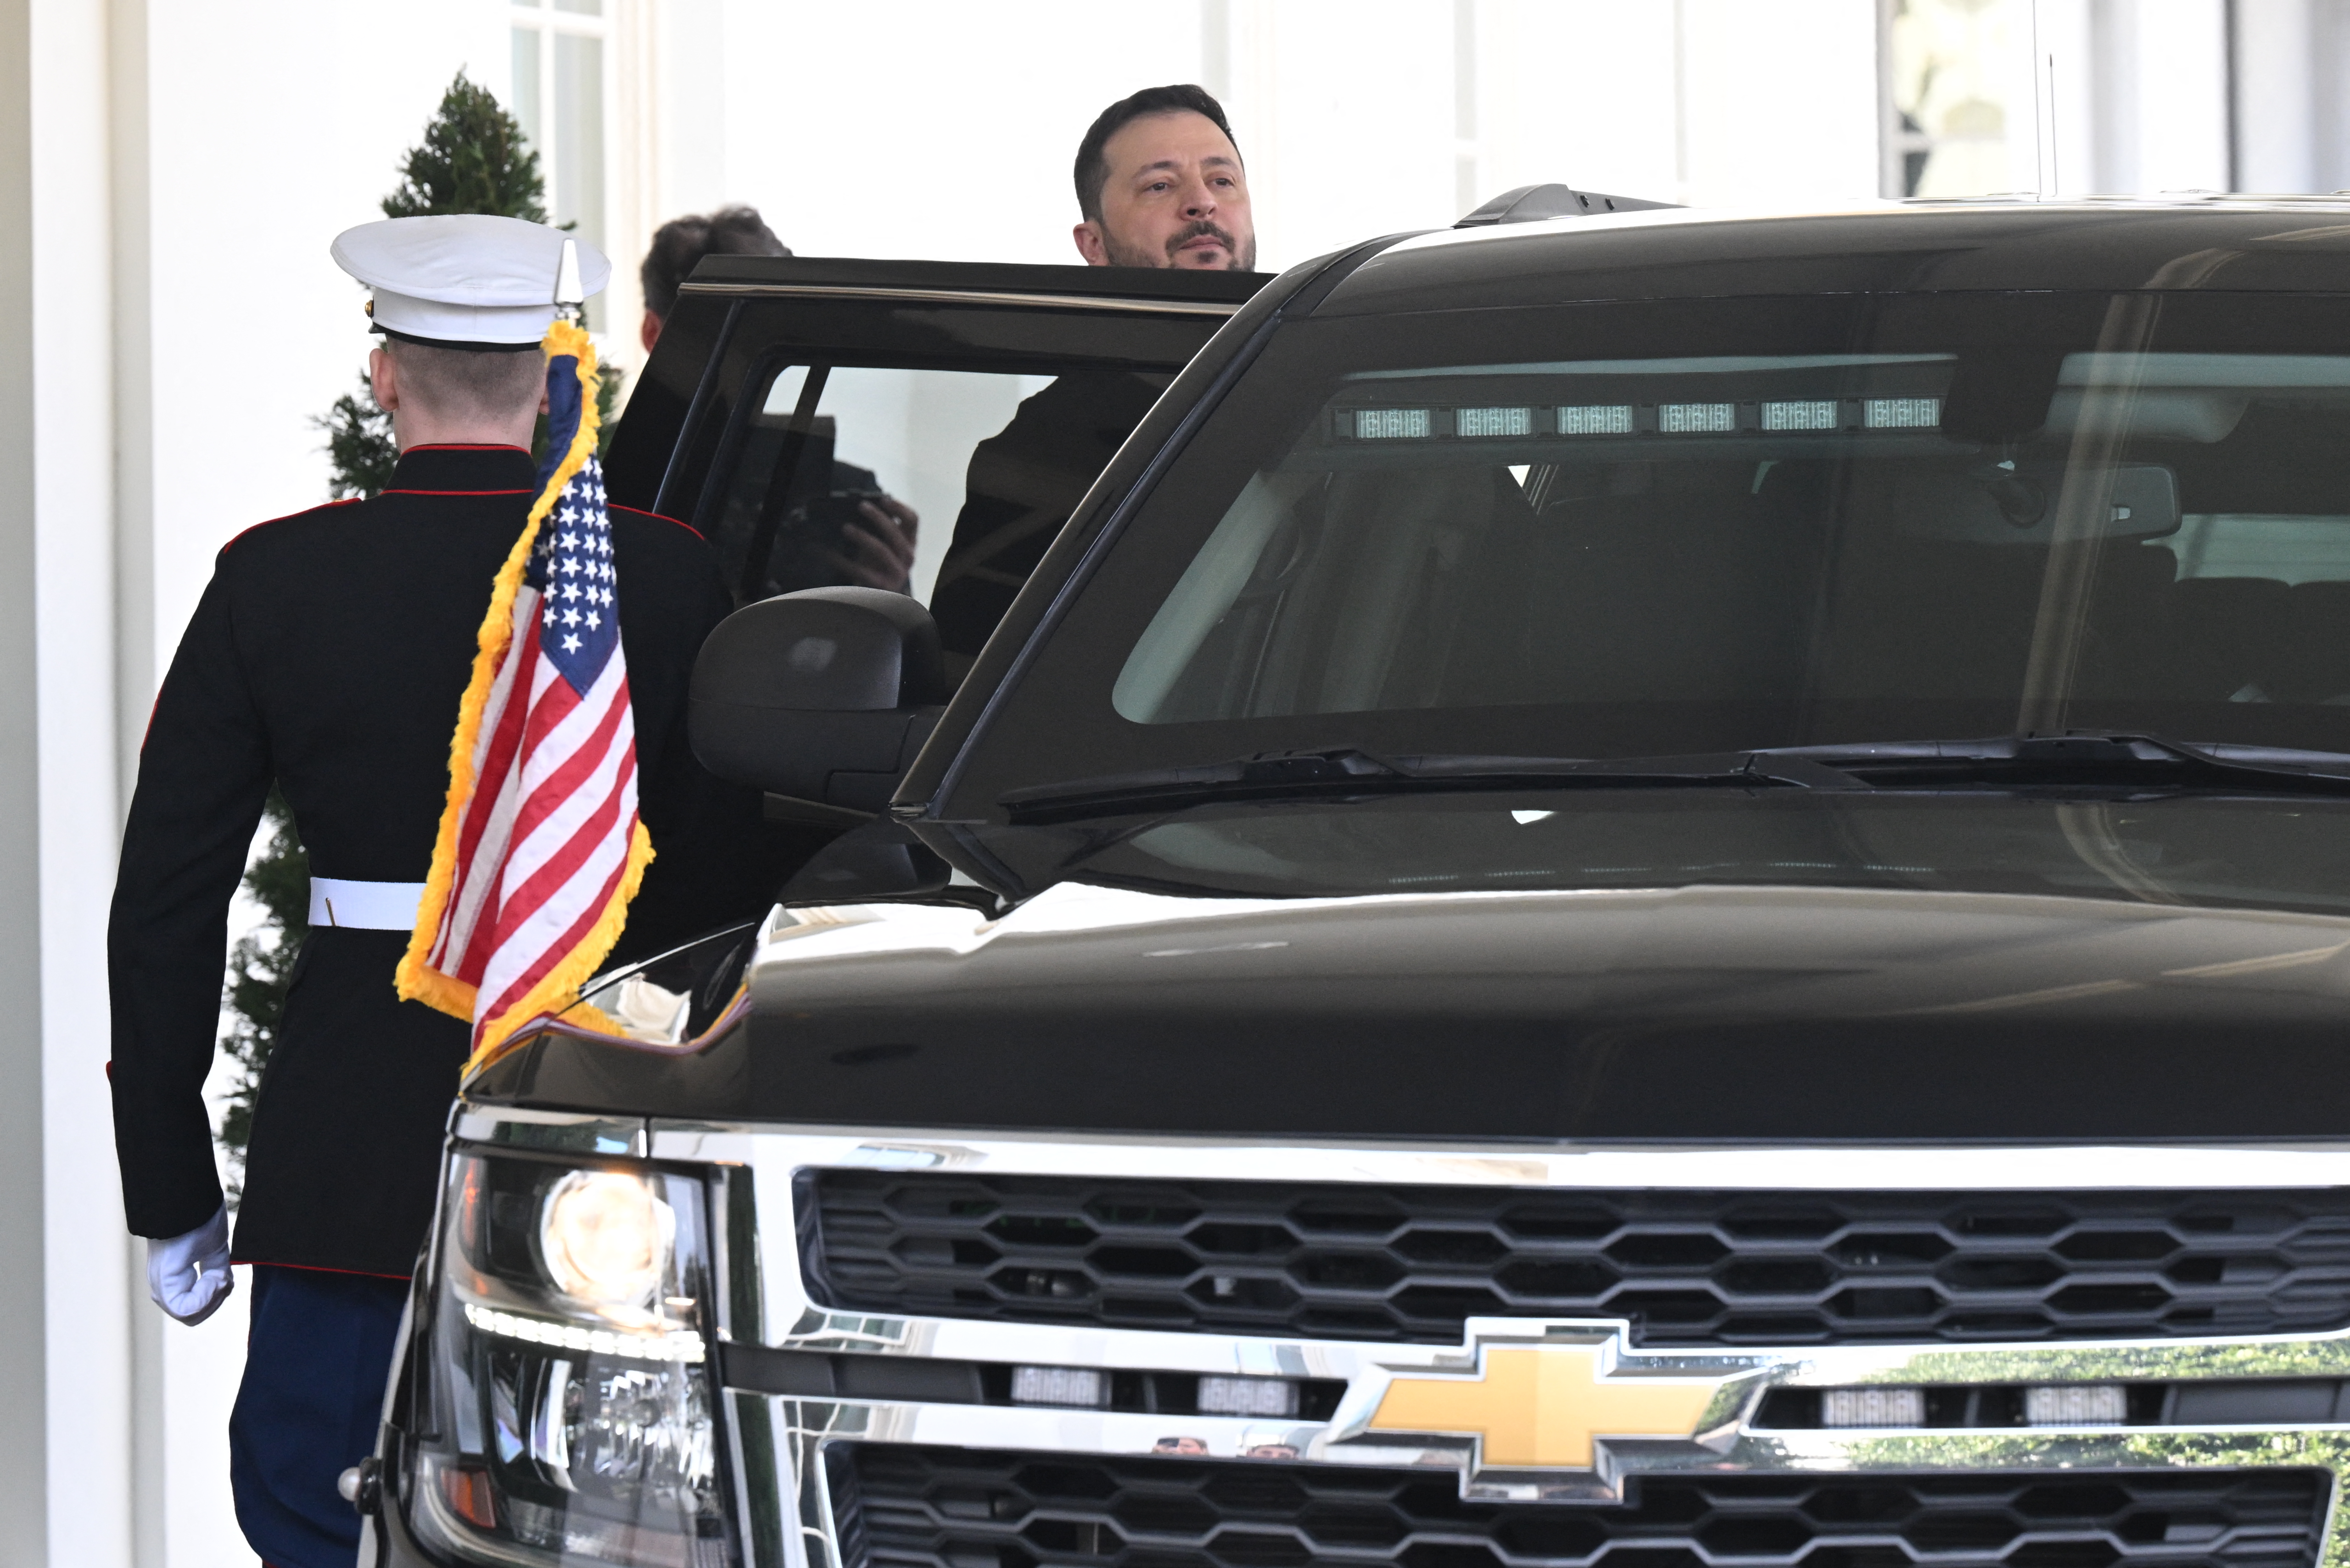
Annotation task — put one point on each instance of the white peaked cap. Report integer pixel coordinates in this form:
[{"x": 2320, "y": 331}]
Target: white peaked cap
[{"x": 466, "y": 279}]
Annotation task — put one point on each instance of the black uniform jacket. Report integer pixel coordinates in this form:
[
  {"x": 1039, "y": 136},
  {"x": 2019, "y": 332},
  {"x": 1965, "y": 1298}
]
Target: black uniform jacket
[
  {"x": 329, "y": 653},
  {"x": 1024, "y": 482}
]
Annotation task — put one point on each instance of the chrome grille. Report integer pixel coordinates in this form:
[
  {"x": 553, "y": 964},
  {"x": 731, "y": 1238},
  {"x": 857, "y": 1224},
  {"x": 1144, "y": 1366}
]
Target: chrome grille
[
  {"x": 905, "y": 1507},
  {"x": 1684, "y": 1267}
]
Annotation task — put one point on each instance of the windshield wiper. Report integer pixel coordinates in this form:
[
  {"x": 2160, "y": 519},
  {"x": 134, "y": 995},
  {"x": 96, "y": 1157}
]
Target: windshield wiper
[
  {"x": 1351, "y": 771},
  {"x": 2094, "y": 760},
  {"x": 2091, "y": 760}
]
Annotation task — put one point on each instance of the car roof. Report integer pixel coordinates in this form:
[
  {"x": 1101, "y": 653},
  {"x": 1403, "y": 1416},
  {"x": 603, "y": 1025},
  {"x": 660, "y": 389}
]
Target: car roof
[{"x": 2199, "y": 242}]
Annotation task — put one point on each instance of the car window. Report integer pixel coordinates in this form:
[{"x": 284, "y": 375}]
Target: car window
[
  {"x": 1736, "y": 528},
  {"x": 906, "y": 433},
  {"x": 991, "y": 466},
  {"x": 1910, "y": 518}
]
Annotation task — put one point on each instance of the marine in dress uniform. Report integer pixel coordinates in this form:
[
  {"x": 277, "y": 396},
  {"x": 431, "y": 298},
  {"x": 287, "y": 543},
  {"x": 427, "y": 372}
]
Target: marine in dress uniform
[{"x": 328, "y": 654}]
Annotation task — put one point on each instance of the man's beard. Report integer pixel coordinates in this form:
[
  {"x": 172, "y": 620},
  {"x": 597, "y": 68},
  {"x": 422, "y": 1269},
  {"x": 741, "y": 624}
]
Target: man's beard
[{"x": 1135, "y": 256}]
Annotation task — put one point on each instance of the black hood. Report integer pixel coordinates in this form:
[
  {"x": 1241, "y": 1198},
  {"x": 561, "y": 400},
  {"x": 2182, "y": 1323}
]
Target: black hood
[{"x": 1756, "y": 1013}]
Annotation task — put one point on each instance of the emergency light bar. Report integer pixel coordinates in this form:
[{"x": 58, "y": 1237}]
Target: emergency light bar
[{"x": 1792, "y": 415}]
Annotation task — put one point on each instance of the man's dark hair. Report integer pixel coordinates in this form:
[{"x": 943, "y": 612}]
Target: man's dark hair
[
  {"x": 1093, "y": 168},
  {"x": 681, "y": 242}
]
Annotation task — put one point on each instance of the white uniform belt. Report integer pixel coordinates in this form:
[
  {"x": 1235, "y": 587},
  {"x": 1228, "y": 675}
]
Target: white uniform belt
[{"x": 366, "y": 906}]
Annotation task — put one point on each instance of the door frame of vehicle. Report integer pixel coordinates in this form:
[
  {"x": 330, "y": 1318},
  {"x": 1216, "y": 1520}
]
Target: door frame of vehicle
[{"x": 738, "y": 319}]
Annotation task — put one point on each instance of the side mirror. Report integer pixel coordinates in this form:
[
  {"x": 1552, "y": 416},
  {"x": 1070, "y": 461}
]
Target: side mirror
[{"x": 821, "y": 697}]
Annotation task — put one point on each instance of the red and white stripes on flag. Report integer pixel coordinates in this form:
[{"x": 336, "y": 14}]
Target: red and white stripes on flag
[{"x": 540, "y": 846}]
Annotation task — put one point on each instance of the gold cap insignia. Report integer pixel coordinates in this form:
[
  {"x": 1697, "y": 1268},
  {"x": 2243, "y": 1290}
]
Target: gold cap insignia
[{"x": 1541, "y": 1407}]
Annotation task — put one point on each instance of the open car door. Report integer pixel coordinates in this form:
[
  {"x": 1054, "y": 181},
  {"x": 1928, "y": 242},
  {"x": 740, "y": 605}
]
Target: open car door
[{"x": 786, "y": 392}]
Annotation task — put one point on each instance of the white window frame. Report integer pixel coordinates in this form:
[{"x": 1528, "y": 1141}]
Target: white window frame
[{"x": 547, "y": 21}]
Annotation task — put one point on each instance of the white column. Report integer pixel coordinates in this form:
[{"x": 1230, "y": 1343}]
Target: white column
[
  {"x": 2162, "y": 95},
  {"x": 690, "y": 99},
  {"x": 2112, "y": 33},
  {"x": 182, "y": 1380},
  {"x": 86, "y": 1272},
  {"x": 100, "y": 1466},
  {"x": 65, "y": 1475},
  {"x": 2329, "y": 115},
  {"x": 2276, "y": 102},
  {"x": 24, "y": 1369},
  {"x": 2182, "y": 69},
  {"x": 634, "y": 204}
]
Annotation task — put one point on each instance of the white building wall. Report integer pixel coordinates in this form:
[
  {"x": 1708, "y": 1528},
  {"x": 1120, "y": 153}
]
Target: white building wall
[
  {"x": 1583, "y": 92},
  {"x": 1779, "y": 100},
  {"x": 267, "y": 139},
  {"x": 852, "y": 143},
  {"x": 1347, "y": 110}
]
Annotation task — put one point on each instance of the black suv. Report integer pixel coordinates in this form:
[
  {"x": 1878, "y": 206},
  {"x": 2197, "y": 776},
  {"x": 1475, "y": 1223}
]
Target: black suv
[{"x": 1666, "y": 888}]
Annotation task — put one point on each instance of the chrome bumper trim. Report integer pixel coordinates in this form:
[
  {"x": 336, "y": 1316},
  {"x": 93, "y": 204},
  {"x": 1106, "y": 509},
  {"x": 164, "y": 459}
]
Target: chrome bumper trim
[{"x": 1990, "y": 1168}]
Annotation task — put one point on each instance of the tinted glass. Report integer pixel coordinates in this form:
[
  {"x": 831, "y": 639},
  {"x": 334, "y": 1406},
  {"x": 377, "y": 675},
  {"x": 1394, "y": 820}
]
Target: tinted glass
[
  {"x": 983, "y": 467},
  {"x": 1711, "y": 526}
]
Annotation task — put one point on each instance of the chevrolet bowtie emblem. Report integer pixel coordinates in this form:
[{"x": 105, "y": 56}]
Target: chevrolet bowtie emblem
[{"x": 1541, "y": 1406}]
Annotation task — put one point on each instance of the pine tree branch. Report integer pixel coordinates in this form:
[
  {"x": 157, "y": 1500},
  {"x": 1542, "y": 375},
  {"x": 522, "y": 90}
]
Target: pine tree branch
[{"x": 475, "y": 158}]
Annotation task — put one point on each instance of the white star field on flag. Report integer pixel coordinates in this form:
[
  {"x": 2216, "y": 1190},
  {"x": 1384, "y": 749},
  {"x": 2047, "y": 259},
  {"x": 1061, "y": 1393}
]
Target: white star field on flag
[{"x": 572, "y": 569}]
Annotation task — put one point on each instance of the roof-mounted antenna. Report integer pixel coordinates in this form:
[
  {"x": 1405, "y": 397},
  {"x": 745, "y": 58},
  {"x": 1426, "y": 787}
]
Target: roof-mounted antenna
[
  {"x": 2046, "y": 176},
  {"x": 1532, "y": 204}
]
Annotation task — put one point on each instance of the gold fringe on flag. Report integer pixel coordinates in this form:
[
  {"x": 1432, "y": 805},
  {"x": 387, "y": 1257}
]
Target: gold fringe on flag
[{"x": 416, "y": 980}]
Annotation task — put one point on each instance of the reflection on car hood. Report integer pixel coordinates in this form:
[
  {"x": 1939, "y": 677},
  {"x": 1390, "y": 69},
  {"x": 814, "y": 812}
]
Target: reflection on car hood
[
  {"x": 1718, "y": 1012},
  {"x": 2160, "y": 847}
]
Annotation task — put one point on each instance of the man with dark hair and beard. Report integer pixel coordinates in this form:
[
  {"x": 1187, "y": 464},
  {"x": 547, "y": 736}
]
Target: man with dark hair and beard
[{"x": 1159, "y": 184}]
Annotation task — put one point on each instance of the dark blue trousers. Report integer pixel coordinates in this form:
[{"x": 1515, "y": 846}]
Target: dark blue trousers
[{"x": 306, "y": 1411}]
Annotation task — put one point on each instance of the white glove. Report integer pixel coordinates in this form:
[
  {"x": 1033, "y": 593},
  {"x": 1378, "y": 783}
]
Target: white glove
[{"x": 188, "y": 1275}]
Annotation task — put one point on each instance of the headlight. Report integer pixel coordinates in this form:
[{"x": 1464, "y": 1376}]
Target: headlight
[
  {"x": 608, "y": 1238},
  {"x": 571, "y": 1413}
]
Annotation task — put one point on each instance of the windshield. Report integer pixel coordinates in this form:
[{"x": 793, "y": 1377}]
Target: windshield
[{"x": 1704, "y": 526}]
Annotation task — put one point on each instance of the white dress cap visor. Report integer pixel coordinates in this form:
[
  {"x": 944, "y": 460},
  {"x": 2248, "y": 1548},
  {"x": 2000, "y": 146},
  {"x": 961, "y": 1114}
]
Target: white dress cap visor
[{"x": 468, "y": 278}]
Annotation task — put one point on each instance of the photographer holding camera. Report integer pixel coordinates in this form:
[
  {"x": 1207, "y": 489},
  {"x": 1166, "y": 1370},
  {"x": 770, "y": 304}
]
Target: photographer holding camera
[{"x": 874, "y": 533}]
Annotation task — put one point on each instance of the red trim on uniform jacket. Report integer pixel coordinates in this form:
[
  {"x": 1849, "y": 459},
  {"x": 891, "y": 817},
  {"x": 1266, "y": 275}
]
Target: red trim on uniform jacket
[
  {"x": 321, "y": 1269},
  {"x": 657, "y": 516},
  {"x": 462, "y": 446},
  {"x": 322, "y": 506}
]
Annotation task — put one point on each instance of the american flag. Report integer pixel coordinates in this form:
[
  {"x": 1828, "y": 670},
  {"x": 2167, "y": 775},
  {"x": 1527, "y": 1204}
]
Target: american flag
[{"x": 540, "y": 847}]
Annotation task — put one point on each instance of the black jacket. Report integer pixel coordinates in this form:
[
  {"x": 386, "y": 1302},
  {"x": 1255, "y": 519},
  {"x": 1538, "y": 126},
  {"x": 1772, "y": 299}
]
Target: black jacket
[
  {"x": 329, "y": 654},
  {"x": 1024, "y": 482}
]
